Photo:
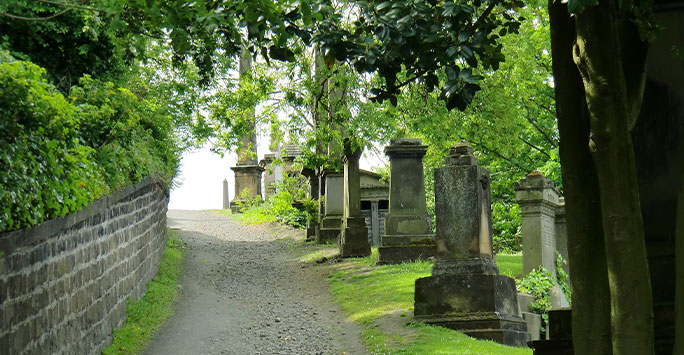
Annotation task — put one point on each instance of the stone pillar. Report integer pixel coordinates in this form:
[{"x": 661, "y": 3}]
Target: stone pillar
[
  {"x": 408, "y": 229},
  {"x": 561, "y": 233},
  {"x": 247, "y": 172},
  {"x": 311, "y": 224},
  {"x": 333, "y": 208},
  {"x": 354, "y": 233},
  {"x": 375, "y": 223},
  {"x": 465, "y": 291},
  {"x": 226, "y": 199},
  {"x": 538, "y": 200}
]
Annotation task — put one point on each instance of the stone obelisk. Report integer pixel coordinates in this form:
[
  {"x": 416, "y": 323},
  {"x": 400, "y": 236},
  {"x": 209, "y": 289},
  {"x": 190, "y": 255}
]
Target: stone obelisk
[{"x": 247, "y": 171}]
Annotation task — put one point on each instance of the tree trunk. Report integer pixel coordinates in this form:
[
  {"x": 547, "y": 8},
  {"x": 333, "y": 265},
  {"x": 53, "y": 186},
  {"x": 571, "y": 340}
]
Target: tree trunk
[
  {"x": 586, "y": 248},
  {"x": 679, "y": 272},
  {"x": 598, "y": 56}
]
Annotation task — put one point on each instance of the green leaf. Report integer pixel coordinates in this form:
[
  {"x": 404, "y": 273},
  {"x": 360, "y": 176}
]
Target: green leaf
[{"x": 577, "y": 6}]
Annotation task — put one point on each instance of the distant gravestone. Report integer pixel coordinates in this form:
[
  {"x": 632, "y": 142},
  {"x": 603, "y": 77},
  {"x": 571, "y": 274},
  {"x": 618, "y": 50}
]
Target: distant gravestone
[
  {"x": 465, "y": 291},
  {"x": 354, "y": 234},
  {"x": 408, "y": 229},
  {"x": 312, "y": 178},
  {"x": 226, "y": 199},
  {"x": 540, "y": 207},
  {"x": 333, "y": 209}
]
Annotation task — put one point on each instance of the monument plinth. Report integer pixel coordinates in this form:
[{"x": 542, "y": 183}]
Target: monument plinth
[
  {"x": 465, "y": 291},
  {"x": 354, "y": 234},
  {"x": 408, "y": 229}
]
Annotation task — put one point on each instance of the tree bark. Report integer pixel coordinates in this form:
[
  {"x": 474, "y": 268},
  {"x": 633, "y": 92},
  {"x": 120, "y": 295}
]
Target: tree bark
[
  {"x": 679, "y": 256},
  {"x": 591, "y": 326},
  {"x": 598, "y": 56}
]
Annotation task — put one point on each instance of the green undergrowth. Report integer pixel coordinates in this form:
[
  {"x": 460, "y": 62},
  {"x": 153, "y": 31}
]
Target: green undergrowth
[
  {"x": 146, "y": 315},
  {"x": 380, "y": 299}
]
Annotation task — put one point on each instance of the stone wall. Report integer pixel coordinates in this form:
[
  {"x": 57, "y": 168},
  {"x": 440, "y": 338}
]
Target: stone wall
[{"x": 64, "y": 284}]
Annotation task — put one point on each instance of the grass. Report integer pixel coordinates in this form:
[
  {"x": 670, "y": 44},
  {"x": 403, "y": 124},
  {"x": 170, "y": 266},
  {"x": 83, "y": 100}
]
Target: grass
[
  {"x": 146, "y": 315},
  {"x": 380, "y": 299},
  {"x": 509, "y": 264},
  {"x": 254, "y": 215}
]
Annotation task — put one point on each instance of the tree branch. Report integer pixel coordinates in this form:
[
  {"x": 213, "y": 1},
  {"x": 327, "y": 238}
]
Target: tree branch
[
  {"x": 484, "y": 15},
  {"x": 60, "y": 13},
  {"x": 70, "y": 5},
  {"x": 535, "y": 147},
  {"x": 522, "y": 168},
  {"x": 531, "y": 121}
]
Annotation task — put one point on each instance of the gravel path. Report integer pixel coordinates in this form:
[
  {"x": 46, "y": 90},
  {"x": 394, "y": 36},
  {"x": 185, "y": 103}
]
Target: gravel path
[{"x": 244, "y": 293}]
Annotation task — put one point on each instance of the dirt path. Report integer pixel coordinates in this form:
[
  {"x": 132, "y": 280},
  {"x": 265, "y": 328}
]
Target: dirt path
[{"x": 243, "y": 292}]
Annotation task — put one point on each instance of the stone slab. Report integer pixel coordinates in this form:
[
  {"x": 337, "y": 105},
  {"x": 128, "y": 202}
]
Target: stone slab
[
  {"x": 504, "y": 330},
  {"x": 525, "y": 302},
  {"x": 326, "y": 235},
  {"x": 534, "y": 323},
  {"x": 407, "y": 240},
  {"x": 354, "y": 242},
  {"x": 460, "y": 295},
  {"x": 471, "y": 266},
  {"x": 331, "y": 222},
  {"x": 407, "y": 253}
]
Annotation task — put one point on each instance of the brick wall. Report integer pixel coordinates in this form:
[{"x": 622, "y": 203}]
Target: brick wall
[{"x": 64, "y": 283}]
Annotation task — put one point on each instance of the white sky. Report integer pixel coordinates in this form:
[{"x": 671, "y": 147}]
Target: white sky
[{"x": 202, "y": 173}]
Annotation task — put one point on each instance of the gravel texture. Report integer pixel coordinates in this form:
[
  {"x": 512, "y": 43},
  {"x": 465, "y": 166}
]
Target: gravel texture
[{"x": 244, "y": 292}]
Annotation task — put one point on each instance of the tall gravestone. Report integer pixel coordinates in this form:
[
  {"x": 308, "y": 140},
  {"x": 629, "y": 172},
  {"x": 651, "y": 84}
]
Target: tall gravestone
[
  {"x": 354, "y": 233},
  {"x": 539, "y": 204},
  {"x": 465, "y": 291},
  {"x": 247, "y": 171},
  {"x": 408, "y": 229},
  {"x": 333, "y": 208}
]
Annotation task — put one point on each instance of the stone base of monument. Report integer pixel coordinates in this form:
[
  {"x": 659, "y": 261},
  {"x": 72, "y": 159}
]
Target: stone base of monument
[
  {"x": 482, "y": 306},
  {"x": 395, "y": 249},
  {"x": 329, "y": 231},
  {"x": 354, "y": 238},
  {"x": 310, "y": 234},
  {"x": 234, "y": 207}
]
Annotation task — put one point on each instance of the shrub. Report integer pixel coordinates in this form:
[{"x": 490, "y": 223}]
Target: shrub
[
  {"x": 506, "y": 228},
  {"x": 58, "y": 154}
]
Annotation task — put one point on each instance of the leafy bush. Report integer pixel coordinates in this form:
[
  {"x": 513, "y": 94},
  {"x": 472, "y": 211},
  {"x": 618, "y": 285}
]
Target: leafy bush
[
  {"x": 562, "y": 277},
  {"x": 289, "y": 204},
  {"x": 506, "y": 225},
  {"x": 58, "y": 154}
]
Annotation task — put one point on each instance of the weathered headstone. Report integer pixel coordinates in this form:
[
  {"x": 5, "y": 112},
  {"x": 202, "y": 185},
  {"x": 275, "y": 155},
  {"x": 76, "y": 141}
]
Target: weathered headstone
[
  {"x": 465, "y": 291},
  {"x": 247, "y": 172},
  {"x": 538, "y": 200},
  {"x": 354, "y": 234},
  {"x": 333, "y": 209},
  {"x": 226, "y": 199},
  {"x": 539, "y": 203},
  {"x": 408, "y": 229}
]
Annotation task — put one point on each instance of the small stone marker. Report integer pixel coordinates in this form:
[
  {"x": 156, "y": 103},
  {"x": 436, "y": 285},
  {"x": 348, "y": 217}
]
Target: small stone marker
[
  {"x": 465, "y": 291},
  {"x": 408, "y": 229},
  {"x": 354, "y": 235},
  {"x": 226, "y": 199}
]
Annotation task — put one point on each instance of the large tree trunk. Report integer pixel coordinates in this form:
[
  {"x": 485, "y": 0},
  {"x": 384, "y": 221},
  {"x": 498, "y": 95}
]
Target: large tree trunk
[
  {"x": 598, "y": 56},
  {"x": 586, "y": 249},
  {"x": 679, "y": 272}
]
